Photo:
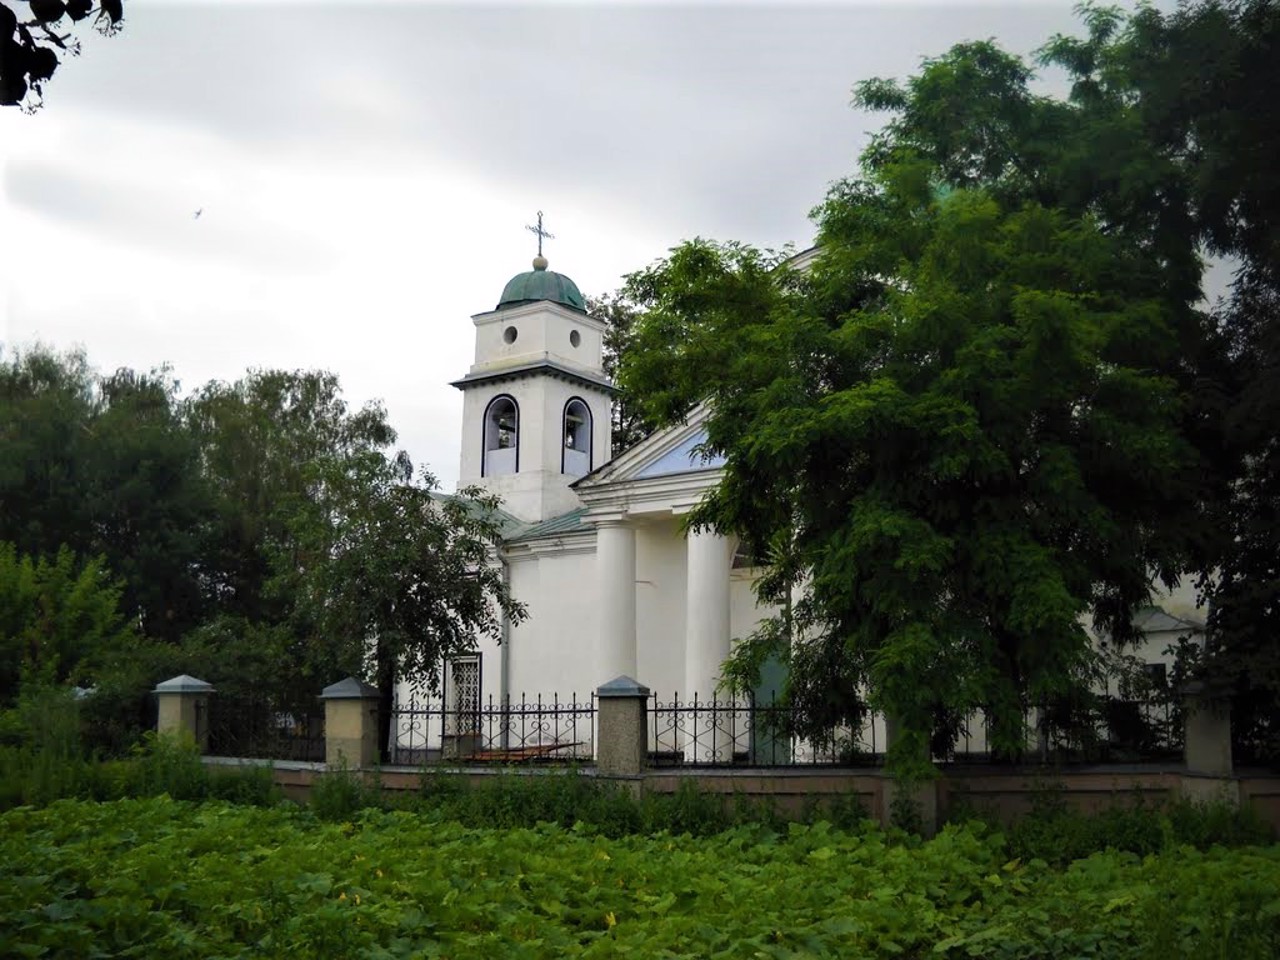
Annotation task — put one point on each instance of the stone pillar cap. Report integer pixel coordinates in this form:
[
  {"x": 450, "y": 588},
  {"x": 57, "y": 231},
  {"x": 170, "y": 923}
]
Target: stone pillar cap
[
  {"x": 622, "y": 687},
  {"x": 349, "y": 689},
  {"x": 183, "y": 684}
]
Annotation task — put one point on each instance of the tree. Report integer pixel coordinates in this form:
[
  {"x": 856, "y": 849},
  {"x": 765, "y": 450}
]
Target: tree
[
  {"x": 55, "y": 613},
  {"x": 971, "y": 423},
  {"x": 259, "y": 442},
  {"x": 1196, "y": 84},
  {"x": 31, "y": 46},
  {"x": 328, "y": 550},
  {"x": 628, "y": 428},
  {"x": 388, "y": 578},
  {"x": 104, "y": 465}
]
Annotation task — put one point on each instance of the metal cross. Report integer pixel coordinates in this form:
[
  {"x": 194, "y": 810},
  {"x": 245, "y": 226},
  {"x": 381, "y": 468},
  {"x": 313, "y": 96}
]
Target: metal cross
[{"x": 540, "y": 232}]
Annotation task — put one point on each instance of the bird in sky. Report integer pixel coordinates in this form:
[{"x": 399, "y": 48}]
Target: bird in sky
[{"x": 198, "y": 212}]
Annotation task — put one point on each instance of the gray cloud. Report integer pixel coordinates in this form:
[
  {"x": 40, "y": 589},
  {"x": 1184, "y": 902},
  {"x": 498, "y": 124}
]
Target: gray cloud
[
  {"x": 722, "y": 120},
  {"x": 150, "y": 217}
]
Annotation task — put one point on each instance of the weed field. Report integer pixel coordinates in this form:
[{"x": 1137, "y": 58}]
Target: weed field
[{"x": 160, "y": 878}]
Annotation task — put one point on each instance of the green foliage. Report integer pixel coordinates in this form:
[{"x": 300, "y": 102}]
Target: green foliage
[
  {"x": 992, "y": 403},
  {"x": 43, "y": 758},
  {"x": 41, "y": 754},
  {"x": 104, "y": 465},
  {"x": 341, "y": 794},
  {"x": 257, "y": 534},
  {"x": 960, "y": 459},
  {"x": 176, "y": 879},
  {"x": 54, "y": 614},
  {"x": 1053, "y": 832},
  {"x": 570, "y": 799},
  {"x": 619, "y": 315}
]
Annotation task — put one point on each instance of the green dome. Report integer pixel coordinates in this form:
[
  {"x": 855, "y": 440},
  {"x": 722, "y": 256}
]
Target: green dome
[{"x": 542, "y": 284}]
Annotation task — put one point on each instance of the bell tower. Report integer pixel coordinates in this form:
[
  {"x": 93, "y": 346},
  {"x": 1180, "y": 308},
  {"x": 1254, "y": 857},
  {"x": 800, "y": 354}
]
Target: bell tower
[{"x": 536, "y": 403}]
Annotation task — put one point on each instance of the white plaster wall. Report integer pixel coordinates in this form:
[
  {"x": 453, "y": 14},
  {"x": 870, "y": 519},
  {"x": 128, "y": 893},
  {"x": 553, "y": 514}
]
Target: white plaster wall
[
  {"x": 542, "y": 332},
  {"x": 661, "y": 590},
  {"x": 745, "y": 614},
  {"x": 554, "y": 650}
]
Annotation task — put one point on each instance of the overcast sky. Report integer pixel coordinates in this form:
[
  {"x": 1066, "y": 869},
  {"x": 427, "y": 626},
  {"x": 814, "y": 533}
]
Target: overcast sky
[{"x": 366, "y": 170}]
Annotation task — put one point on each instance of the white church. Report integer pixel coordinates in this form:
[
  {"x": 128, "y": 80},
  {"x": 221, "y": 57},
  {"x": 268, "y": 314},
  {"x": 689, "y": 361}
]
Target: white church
[{"x": 594, "y": 546}]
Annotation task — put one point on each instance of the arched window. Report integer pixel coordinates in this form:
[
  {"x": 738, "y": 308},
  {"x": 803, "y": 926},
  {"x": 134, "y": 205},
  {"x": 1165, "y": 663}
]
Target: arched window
[
  {"x": 501, "y": 437},
  {"x": 576, "y": 460}
]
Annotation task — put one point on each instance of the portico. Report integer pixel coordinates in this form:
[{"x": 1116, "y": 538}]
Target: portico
[{"x": 670, "y": 599}]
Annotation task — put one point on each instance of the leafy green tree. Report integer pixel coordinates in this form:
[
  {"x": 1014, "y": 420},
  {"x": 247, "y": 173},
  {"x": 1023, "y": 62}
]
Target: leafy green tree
[
  {"x": 972, "y": 422},
  {"x": 1194, "y": 87},
  {"x": 54, "y": 613},
  {"x": 32, "y": 44},
  {"x": 389, "y": 579},
  {"x": 628, "y": 428},
  {"x": 106, "y": 466},
  {"x": 260, "y": 440}
]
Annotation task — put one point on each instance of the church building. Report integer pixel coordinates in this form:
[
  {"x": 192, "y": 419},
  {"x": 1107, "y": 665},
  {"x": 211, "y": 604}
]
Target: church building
[{"x": 594, "y": 546}]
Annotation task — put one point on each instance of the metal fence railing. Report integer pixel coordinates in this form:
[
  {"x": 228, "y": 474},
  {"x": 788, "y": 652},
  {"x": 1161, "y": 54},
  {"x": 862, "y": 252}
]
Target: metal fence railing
[
  {"x": 722, "y": 731},
  {"x": 258, "y": 729},
  {"x": 745, "y": 731},
  {"x": 505, "y": 731}
]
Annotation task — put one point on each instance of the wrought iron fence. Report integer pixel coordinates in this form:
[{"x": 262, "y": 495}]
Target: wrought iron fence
[
  {"x": 499, "y": 731},
  {"x": 719, "y": 732},
  {"x": 1097, "y": 728},
  {"x": 258, "y": 728}
]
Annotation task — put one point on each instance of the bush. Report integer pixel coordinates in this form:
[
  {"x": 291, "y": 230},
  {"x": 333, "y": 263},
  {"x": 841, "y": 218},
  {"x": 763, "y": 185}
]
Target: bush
[
  {"x": 162, "y": 879},
  {"x": 342, "y": 793},
  {"x": 41, "y": 753},
  {"x": 1055, "y": 834}
]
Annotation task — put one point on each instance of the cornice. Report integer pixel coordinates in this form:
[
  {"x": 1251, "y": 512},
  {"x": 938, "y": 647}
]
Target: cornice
[{"x": 536, "y": 368}]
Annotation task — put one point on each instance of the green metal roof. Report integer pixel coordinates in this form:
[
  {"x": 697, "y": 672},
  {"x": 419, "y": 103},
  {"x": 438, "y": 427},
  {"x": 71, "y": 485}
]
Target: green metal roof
[
  {"x": 570, "y": 522},
  {"x": 542, "y": 284}
]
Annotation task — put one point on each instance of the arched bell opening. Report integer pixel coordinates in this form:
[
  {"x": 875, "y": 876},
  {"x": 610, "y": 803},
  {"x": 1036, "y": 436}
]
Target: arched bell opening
[
  {"x": 576, "y": 457},
  {"x": 501, "y": 437}
]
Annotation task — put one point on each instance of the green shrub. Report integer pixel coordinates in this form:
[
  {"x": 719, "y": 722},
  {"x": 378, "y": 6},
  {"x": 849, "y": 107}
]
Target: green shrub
[
  {"x": 250, "y": 785},
  {"x": 163, "y": 879},
  {"x": 341, "y": 794},
  {"x": 168, "y": 763},
  {"x": 42, "y": 756},
  {"x": 1056, "y": 834}
]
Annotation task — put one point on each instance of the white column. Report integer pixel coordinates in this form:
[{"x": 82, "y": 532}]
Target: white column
[
  {"x": 616, "y": 561},
  {"x": 707, "y": 645}
]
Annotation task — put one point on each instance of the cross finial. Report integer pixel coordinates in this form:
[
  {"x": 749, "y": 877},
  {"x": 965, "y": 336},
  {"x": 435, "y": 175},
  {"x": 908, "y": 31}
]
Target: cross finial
[{"x": 540, "y": 232}]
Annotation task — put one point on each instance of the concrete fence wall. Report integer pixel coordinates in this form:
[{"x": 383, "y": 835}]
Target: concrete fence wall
[{"x": 622, "y": 757}]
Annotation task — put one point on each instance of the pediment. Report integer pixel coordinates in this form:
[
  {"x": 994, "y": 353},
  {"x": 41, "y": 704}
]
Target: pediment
[{"x": 665, "y": 453}]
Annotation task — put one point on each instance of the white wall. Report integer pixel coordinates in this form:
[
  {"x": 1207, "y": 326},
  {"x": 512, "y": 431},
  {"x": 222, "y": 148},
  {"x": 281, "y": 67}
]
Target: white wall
[
  {"x": 661, "y": 589},
  {"x": 554, "y": 650}
]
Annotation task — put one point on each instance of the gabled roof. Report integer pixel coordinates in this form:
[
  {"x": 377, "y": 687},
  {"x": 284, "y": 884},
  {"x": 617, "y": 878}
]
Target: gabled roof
[
  {"x": 1155, "y": 620},
  {"x": 665, "y": 453}
]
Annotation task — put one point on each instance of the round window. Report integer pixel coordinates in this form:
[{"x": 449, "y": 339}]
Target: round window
[
  {"x": 509, "y": 335},
  {"x": 575, "y": 337}
]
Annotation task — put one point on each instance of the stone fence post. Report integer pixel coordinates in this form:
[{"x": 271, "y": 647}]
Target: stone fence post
[
  {"x": 1207, "y": 746},
  {"x": 184, "y": 708},
  {"x": 623, "y": 745},
  {"x": 350, "y": 724},
  {"x": 919, "y": 798}
]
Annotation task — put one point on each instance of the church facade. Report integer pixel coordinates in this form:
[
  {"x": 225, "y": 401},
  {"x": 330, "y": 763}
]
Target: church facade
[{"x": 595, "y": 546}]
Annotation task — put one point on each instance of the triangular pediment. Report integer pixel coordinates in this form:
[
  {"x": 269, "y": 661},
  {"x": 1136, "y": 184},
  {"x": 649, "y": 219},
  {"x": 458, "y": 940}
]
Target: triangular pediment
[{"x": 671, "y": 452}]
